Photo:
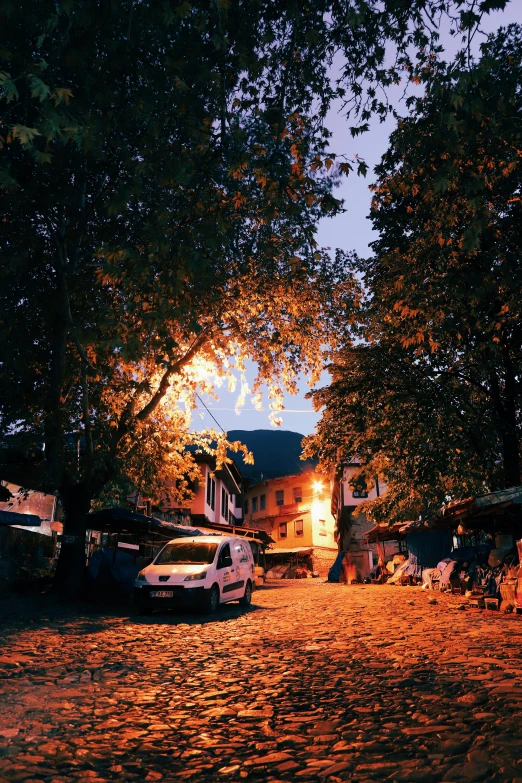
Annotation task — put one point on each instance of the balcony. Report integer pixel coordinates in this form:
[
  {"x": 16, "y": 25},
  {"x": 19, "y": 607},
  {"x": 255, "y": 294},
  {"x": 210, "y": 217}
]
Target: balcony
[{"x": 289, "y": 508}]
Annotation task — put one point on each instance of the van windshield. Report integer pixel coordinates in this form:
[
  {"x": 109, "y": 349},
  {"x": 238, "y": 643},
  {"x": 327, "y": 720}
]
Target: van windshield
[{"x": 187, "y": 552}]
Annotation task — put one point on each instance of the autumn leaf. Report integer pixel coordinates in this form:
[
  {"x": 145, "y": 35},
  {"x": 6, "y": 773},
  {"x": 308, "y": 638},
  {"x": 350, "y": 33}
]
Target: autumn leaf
[
  {"x": 39, "y": 89},
  {"x": 24, "y": 134},
  {"x": 62, "y": 95}
]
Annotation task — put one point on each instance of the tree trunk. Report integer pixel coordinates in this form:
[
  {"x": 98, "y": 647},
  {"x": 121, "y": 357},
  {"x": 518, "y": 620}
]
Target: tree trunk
[
  {"x": 70, "y": 571},
  {"x": 505, "y": 408},
  {"x": 344, "y": 528},
  {"x": 511, "y": 457},
  {"x": 509, "y": 429}
]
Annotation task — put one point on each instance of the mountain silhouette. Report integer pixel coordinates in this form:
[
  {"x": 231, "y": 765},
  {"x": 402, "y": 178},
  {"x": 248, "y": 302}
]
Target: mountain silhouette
[{"x": 276, "y": 453}]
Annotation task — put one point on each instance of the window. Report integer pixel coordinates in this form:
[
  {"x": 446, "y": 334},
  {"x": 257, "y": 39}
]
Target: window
[
  {"x": 280, "y": 497},
  {"x": 241, "y": 551},
  {"x": 224, "y": 503},
  {"x": 298, "y": 495},
  {"x": 322, "y": 527},
  {"x": 359, "y": 493},
  {"x": 254, "y": 504},
  {"x": 283, "y": 530},
  {"x": 211, "y": 492},
  {"x": 299, "y": 527},
  {"x": 246, "y": 505},
  {"x": 186, "y": 553},
  {"x": 224, "y": 552},
  {"x": 262, "y": 502}
]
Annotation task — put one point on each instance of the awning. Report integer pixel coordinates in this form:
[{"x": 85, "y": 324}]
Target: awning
[
  {"x": 231, "y": 530},
  {"x": 123, "y": 520},
  {"x": 21, "y": 520},
  {"x": 385, "y": 533},
  {"x": 298, "y": 550}
]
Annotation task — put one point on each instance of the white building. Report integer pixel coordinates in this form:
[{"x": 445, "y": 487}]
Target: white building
[
  {"x": 217, "y": 497},
  {"x": 347, "y": 495}
]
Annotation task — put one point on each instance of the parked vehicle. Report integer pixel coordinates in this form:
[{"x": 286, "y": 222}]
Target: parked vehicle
[{"x": 200, "y": 572}]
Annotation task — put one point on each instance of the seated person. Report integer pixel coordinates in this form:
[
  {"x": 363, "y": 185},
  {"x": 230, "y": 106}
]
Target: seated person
[
  {"x": 462, "y": 576},
  {"x": 429, "y": 576}
]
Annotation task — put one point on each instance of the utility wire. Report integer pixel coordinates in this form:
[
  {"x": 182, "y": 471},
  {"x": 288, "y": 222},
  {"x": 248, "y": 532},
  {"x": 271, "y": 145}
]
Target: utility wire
[{"x": 210, "y": 413}]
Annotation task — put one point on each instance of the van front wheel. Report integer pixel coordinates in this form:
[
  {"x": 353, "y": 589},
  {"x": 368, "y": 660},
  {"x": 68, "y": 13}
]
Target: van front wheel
[
  {"x": 247, "y": 598},
  {"x": 210, "y": 602}
]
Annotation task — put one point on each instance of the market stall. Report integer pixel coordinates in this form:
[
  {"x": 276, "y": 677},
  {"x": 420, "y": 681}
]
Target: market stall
[{"x": 293, "y": 563}]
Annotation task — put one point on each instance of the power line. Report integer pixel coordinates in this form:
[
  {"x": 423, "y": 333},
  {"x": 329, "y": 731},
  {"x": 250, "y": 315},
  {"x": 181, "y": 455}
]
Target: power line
[
  {"x": 256, "y": 410},
  {"x": 210, "y": 413}
]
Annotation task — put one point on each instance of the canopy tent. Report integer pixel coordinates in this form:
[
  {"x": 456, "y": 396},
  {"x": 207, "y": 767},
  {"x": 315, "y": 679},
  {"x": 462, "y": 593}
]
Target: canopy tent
[
  {"x": 385, "y": 533},
  {"x": 497, "y": 511},
  {"x": 123, "y": 520},
  {"x": 233, "y": 530},
  {"x": 426, "y": 549}
]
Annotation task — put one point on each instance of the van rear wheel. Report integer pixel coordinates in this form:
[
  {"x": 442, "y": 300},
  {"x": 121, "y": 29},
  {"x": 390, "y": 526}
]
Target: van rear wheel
[
  {"x": 247, "y": 598},
  {"x": 210, "y": 602}
]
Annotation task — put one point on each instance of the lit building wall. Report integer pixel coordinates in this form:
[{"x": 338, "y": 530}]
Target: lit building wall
[{"x": 295, "y": 510}]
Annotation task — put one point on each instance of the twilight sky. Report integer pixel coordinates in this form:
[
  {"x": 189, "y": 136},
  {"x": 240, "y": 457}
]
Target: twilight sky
[{"x": 349, "y": 231}]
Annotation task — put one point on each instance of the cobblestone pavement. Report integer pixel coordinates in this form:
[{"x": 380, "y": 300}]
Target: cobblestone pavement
[{"x": 315, "y": 682}]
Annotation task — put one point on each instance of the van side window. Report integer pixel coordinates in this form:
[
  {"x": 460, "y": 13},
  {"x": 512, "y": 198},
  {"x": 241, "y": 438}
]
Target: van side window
[
  {"x": 241, "y": 551},
  {"x": 224, "y": 552}
]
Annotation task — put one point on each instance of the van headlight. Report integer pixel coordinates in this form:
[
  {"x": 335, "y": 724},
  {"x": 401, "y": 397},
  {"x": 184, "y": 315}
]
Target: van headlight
[
  {"x": 193, "y": 577},
  {"x": 141, "y": 577}
]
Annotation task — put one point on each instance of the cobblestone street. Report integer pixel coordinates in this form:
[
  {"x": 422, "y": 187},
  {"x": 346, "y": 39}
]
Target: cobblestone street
[{"x": 315, "y": 682}]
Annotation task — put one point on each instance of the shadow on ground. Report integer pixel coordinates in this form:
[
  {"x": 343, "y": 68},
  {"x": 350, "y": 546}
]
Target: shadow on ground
[{"x": 30, "y": 610}]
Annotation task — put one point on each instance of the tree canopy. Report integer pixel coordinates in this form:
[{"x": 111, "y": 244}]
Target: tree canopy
[
  {"x": 163, "y": 167},
  {"x": 429, "y": 396}
]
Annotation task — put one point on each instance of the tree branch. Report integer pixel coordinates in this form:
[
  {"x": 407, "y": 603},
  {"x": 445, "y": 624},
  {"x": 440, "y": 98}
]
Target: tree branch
[
  {"x": 171, "y": 370},
  {"x": 174, "y": 367}
]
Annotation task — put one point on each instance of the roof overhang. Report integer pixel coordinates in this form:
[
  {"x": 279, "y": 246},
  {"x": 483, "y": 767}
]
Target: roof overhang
[
  {"x": 298, "y": 550},
  {"x": 123, "y": 520}
]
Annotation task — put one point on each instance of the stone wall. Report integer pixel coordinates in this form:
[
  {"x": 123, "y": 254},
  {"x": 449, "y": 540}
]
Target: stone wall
[{"x": 323, "y": 560}]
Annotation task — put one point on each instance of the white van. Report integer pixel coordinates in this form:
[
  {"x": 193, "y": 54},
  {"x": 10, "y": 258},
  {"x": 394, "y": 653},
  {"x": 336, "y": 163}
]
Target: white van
[{"x": 202, "y": 572}]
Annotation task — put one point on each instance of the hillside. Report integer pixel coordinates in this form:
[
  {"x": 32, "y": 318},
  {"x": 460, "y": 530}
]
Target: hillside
[{"x": 276, "y": 453}]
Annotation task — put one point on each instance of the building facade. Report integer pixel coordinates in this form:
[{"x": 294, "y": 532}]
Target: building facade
[
  {"x": 217, "y": 497},
  {"x": 347, "y": 495},
  {"x": 296, "y": 511}
]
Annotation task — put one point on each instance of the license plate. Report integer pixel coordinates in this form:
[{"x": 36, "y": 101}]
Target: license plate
[{"x": 161, "y": 593}]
